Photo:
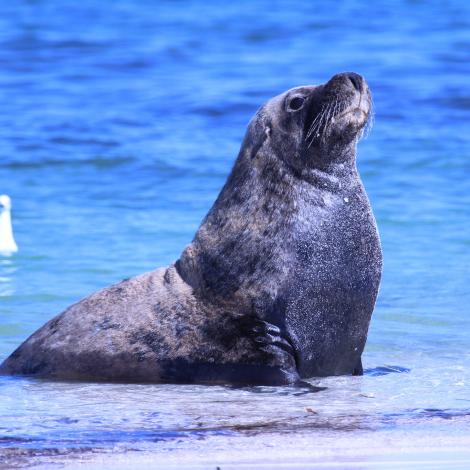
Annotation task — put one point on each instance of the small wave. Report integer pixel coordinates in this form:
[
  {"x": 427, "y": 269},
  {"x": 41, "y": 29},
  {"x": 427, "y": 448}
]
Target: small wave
[
  {"x": 385, "y": 370},
  {"x": 94, "y": 161},
  {"x": 64, "y": 140},
  {"x": 456, "y": 102},
  {"x": 224, "y": 109},
  {"x": 417, "y": 415},
  {"x": 33, "y": 42}
]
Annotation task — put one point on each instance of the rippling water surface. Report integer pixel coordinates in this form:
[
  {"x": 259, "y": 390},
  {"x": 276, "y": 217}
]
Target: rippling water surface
[{"x": 119, "y": 123}]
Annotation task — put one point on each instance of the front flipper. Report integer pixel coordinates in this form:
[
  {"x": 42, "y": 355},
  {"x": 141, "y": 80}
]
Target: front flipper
[
  {"x": 269, "y": 334},
  {"x": 271, "y": 340},
  {"x": 358, "y": 370},
  {"x": 258, "y": 355}
]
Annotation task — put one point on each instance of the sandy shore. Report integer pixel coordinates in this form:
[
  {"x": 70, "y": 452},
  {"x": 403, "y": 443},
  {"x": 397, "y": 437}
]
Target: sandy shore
[{"x": 369, "y": 450}]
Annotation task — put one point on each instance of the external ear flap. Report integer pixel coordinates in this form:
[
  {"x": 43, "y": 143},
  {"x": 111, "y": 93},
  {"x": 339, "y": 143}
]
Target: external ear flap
[
  {"x": 259, "y": 130},
  {"x": 263, "y": 136}
]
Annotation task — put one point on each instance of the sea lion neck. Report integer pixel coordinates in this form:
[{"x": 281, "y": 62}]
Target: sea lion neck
[
  {"x": 328, "y": 168},
  {"x": 334, "y": 157}
]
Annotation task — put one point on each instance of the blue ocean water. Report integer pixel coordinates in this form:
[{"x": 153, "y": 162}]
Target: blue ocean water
[{"x": 119, "y": 124}]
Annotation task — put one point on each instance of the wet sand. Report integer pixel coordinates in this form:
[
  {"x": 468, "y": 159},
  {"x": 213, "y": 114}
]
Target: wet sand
[{"x": 366, "y": 450}]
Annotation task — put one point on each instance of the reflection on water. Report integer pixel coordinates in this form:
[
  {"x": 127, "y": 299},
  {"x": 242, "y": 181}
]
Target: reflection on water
[
  {"x": 8, "y": 269},
  {"x": 119, "y": 125}
]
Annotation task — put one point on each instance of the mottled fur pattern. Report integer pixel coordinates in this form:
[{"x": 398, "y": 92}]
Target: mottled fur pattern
[{"x": 279, "y": 282}]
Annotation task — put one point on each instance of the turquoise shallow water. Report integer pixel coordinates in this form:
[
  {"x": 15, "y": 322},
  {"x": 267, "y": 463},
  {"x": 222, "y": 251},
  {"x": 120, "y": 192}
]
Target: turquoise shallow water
[{"x": 119, "y": 125}]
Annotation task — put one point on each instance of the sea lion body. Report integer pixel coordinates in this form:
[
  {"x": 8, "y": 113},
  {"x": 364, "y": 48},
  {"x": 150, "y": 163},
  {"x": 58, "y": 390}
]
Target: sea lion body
[
  {"x": 278, "y": 284},
  {"x": 146, "y": 329}
]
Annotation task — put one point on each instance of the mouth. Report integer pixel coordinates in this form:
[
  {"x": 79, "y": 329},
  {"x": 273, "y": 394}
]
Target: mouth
[
  {"x": 338, "y": 116},
  {"x": 357, "y": 113},
  {"x": 334, "y": 116}
]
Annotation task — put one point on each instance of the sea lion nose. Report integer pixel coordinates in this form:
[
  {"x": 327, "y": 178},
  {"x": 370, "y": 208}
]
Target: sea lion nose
[
  {"x": 356, "y": 80},
  {"x": 349, "y": 80}
]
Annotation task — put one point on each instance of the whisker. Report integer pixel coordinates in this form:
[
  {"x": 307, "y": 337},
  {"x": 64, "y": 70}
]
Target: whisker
[
  {"x": 313, "y": 124},
  {"x": 325, "y": 125},
  {"x": 318, "y": 125},
  {"x": 315, "y": 128},
  {"x": 329, "y": 119},
  {"x": 370, "y": 122}
]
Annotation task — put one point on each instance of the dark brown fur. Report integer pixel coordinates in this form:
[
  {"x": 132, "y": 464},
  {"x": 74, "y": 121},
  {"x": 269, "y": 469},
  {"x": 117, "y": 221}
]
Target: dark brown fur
[{"x": 279, "y": 282}]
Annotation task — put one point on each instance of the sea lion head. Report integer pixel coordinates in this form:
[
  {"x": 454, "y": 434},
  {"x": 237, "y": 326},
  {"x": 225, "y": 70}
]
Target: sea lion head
[{"x": 314, "y": 126}]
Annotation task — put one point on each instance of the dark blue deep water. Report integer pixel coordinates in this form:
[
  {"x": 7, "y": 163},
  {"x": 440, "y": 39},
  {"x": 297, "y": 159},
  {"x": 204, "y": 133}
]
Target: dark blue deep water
[{"x": 119, "y": 122}]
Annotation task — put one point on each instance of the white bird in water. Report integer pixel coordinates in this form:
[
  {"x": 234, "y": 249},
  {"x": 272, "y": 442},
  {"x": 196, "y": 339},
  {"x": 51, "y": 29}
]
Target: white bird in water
[{"x": 7, "y": 242}]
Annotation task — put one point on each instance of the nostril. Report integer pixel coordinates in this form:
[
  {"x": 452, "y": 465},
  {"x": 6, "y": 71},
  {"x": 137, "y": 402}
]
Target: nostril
[{"x": 355, "y": 80}]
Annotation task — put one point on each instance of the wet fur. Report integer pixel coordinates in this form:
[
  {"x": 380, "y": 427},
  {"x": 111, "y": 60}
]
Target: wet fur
[{"x": 279, "y": 282}]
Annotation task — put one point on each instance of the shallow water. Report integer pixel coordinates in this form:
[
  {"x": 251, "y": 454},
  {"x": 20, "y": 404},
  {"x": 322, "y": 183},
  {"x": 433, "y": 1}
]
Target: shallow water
[{"x": 118, "y": 128}]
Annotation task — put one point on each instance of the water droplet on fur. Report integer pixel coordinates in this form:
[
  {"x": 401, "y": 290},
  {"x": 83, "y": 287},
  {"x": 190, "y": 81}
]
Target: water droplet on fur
[{"x": 346, "y": 199}]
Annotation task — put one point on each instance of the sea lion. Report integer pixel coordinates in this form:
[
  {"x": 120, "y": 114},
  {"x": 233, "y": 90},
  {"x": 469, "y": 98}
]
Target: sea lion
[{"x": 278, "y": 284}]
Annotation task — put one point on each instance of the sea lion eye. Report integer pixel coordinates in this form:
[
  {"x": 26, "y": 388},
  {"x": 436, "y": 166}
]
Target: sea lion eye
[{"x": 296, "y": 103}]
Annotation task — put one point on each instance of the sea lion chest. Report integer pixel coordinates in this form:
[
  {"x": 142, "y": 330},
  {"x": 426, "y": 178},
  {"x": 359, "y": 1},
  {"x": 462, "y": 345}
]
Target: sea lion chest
[{"x": 333, "y": 287}]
